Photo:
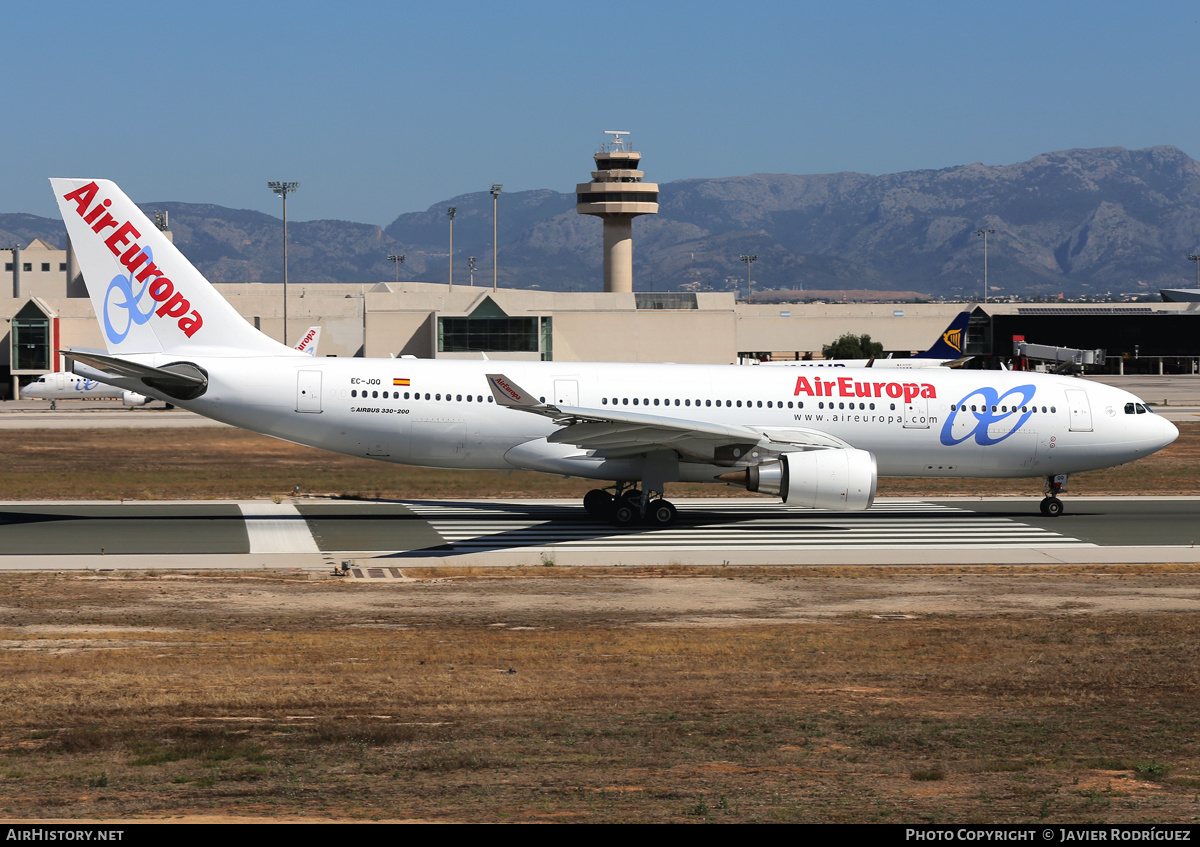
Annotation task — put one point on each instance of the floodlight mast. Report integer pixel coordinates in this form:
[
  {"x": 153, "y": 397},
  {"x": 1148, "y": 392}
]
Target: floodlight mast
[
  {"x": 985, "y": 233},
  {"x": 283, "y": 189},
  {"x": 450, "y": 213},
  {"x": 397, "y": 261},
  {"x": 748, "y": 260},
  {"x": 495, "y": 190}
]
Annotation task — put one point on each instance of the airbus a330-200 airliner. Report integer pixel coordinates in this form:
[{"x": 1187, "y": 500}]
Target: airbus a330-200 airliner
[{"x": 815, "y": 439}]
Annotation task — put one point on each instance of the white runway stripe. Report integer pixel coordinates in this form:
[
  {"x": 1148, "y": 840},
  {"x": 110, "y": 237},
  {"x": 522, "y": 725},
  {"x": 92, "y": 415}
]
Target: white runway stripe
[
  {"x": 277, "y": 528},
  {"x": 735, "y": 526}
]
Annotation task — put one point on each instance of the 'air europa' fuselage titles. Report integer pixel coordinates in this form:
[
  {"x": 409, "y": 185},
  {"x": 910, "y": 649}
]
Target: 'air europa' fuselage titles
[
  {"x": 137, "y": 260},
  {"x": 848, "y": 387}
]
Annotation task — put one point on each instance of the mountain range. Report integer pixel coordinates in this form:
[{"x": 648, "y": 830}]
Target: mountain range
[{"x": 1077, "y": 222}]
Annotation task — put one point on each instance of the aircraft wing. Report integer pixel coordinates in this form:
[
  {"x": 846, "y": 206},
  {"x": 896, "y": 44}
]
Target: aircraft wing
[{"x": 616, "y": 433}]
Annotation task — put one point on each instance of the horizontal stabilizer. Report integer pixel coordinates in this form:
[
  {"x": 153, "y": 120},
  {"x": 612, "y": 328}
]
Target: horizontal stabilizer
[{"x": 180, "y": 380}]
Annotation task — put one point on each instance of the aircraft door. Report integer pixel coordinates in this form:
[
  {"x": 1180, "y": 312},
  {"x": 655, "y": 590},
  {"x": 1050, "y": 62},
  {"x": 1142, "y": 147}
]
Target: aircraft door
[
  {"x": 1081, "y": 410},
  {"x": 60, "y": 381},
  {"x": 566, "y": 392},
  {"x": 308, "y": 391},
  {"x": 916, "y": 413}
]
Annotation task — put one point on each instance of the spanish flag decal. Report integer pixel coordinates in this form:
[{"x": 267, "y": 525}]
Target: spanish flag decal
[{"x": 400, "y": 382}]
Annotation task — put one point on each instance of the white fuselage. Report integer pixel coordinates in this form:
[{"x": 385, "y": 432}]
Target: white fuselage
[{"x": 439, "y": 413}]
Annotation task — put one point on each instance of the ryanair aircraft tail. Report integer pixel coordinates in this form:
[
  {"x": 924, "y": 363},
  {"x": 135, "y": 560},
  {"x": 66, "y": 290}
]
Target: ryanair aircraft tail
[
  {"x": 950, "y": 345},
  {"x": 147, "y": 296}
]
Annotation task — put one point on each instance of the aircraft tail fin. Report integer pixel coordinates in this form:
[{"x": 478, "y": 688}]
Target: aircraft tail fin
[
  {"x": 147, "y": 296},
  {"x": 309, "y": 341},
  {"x": 950, "y": 344}
]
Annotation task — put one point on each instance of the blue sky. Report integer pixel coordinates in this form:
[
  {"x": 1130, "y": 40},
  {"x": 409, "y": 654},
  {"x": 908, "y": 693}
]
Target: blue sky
[{"x": 384, "y": 108}]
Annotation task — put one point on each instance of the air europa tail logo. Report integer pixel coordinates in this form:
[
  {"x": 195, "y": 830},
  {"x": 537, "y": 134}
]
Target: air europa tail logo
[
  {"x": 139, "y": 261},
  {"x": 303, "y": 345}
]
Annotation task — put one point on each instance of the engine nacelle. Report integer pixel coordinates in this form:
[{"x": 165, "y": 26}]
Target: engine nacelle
[
  {"x": 132, "y": 398},
  {"x": 819, "y": 479}
]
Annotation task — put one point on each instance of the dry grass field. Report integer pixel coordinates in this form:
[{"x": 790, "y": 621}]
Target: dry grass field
[
  {"x": 1045, "y": 695},
  {"x": 522, "y": 696}
]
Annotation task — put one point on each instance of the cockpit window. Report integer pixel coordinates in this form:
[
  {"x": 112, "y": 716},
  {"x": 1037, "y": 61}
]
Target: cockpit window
[{"x": 1129, "y": 408}]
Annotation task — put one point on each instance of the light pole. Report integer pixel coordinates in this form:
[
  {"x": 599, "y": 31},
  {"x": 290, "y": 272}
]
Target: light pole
[
  {"x": 283, "y": 189},
  {"x": 748, "y": 260},
  {"x": 495, "y": 193},
  {"x": 985, "y": 233},
  {"x": 1195, "y": 257},
  {"x": 397, "y": 261},
  {"x": 451, "y": 212},
  {"x": 471, "y": 266}
]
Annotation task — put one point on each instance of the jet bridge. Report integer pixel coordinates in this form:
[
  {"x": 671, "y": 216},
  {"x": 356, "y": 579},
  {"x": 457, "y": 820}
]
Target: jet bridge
[{"x": 1060, "y": 359}]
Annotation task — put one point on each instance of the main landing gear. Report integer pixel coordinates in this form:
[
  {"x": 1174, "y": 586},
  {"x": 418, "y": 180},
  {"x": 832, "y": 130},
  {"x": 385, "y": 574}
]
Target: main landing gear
[
  {"x": 1051, "y": 506},
  {"x": 626, "y": 505}
]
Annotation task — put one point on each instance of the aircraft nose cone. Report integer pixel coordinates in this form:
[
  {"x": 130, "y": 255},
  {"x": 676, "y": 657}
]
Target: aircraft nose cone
[{"x": 1169, "y": 432}]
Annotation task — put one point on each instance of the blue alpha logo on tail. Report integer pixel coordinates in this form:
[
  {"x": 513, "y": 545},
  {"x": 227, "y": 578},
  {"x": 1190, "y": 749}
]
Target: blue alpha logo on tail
[
  {"x": 994, "y": 411},
  {"x": 130, "y": 302}
]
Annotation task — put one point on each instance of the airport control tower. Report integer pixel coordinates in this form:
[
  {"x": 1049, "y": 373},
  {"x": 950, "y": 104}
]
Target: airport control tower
[{"x": 617, "y": 195}]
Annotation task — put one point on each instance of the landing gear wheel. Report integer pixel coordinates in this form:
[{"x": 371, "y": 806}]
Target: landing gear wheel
[
  {"x": 630, "y": 495},
  {"x": 624, "y": 513},
  {"x": 597, "y": 502},
  {"x": 1052, "y": 507},
  {"x": 661, "y": 513}
]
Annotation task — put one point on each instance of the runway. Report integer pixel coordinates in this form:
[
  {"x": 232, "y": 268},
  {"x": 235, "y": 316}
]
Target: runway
[{"x": 387, "y": 536}]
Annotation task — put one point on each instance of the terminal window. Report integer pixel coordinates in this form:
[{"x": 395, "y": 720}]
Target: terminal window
[{"x": 502, "y": 335}]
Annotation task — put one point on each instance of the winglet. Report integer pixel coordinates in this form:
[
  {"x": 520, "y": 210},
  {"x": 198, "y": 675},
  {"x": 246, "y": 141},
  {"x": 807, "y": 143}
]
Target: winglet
[{"x": 508, "y": 393}]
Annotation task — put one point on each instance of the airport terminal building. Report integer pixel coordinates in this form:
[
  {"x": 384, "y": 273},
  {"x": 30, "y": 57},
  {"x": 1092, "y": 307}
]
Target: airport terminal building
[{"x": 46, "y": 309}]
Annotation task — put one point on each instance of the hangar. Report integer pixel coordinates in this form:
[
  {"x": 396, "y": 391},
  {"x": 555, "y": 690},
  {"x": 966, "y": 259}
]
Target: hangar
[{"x": 1135, "y": 337}]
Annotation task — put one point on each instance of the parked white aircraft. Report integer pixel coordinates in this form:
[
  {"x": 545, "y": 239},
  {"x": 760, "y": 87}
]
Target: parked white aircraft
[
  {"x": 946, "y": 352},
  {"x": 815, "y": 439},
  {"x": 64, "y": 385}
]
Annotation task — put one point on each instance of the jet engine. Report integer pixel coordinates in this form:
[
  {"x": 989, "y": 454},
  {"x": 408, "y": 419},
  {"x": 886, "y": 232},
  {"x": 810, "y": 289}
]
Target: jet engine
[
  {"x": 842, "y": 479},
  {"x": 132, "y": 398}
]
